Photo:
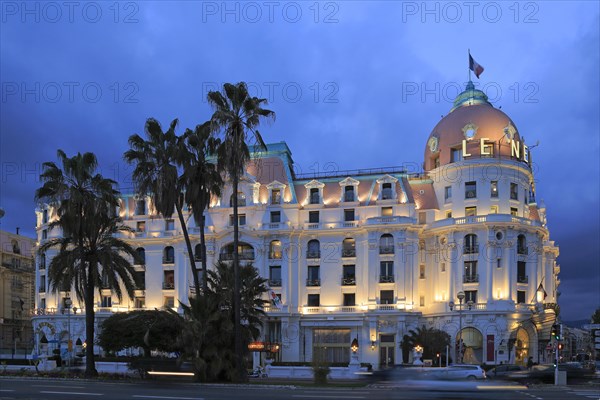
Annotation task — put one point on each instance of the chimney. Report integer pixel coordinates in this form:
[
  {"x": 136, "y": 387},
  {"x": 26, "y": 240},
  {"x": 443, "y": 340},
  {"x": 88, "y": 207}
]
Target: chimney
[{"x": 18, "y": 230}]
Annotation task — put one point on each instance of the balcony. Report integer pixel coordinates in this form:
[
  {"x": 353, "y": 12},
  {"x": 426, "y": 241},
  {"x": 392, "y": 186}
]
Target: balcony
[
  {"x": 522, "y": 279},
  {"x": 386, "y": 249},
  {"x": 168, "y": 260},
  {"x": 348, "y": 252},
  {"x": 42, "y": 266},
  {"x": 313, "y": 225},
  {"x": 472, "y": 249},
  {"x": 491, "y": 218},
  {"x": 470, "y": 278},
  {"x": 275, "y": 255},
  {"x": 349, "y": 224},
  {"x": 386, "y": 279},
  {"x": 390, "y": 220},
  {"x": 522, "y": 250},
  {"x": 313, "y": 282},
  {"x": 311, "y": 254},
  {"x": 470, "y": 194},
  {"x": 42, "y": 289},
  {"x": 168, "y": 285},
  {"x": 275, "y": 282},
  {"x": 349, "y": 281}
]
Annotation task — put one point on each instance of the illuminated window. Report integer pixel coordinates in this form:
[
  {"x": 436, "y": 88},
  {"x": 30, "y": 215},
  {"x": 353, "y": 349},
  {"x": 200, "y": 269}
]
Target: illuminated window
[
  {"x": 275, "y": 250},
  {"x": 514, "y": 211},
  {"x": 470, "y": 211},
  {"x": 140, "y": 302},
  {"x": 421, "y": 271},
  {"x": 105, "y": 301},
  {"x": 387, "y": 211},
  {"x": 169, "y": 301},
  {"x": 140, "y": 226},
  {"x": 422, "y": 218},
  {"x": 448, "y": 214},
  {"x": 494, "y": 189},
  {"x": 422, "y": 301},
  {"x": 443, "y": 267},
  {"x": 493, "y": 209},
  {"x": 276, "y": 196}
]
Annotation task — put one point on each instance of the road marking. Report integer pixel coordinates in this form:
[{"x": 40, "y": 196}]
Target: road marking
[
  {"x": 6, "y": 390},
  {"x": 73, "y": 393},
  {"x": 326, "y": 397},
  {"x": 60, "y": 387},
  {"x": 166, "y": 397}
]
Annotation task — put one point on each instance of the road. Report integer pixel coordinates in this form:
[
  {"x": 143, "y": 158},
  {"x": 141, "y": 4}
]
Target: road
[{"x": 56, "y": 389}]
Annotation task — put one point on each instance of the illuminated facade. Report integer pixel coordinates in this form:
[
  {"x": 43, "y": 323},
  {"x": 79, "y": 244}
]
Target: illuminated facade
[{"x": 372, "y": 254}]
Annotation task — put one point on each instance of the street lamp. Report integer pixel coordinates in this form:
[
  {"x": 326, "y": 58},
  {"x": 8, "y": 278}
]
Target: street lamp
[
  {"x": 68, "y": 304},
  {"x": 354, "y": 345},
  {"x": 461, "y": 297}
]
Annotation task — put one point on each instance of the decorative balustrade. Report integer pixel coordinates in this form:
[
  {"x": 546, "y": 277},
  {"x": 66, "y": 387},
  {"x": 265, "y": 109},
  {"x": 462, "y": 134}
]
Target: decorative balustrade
[
  {"x": 470, "y": 278},
  {"x": 349, "y": 281},
  {"x": 386, "y": 279},
  {"x": 386, "y": 249},
  {"x": 313, "y": 282}
]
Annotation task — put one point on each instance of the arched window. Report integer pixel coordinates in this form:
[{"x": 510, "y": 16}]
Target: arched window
[
  {"x": 521, "y": 244},
  {"x": 349, "y": 248},
  {"x": 198, "y": 252},
  {"x": 470, "y": 245},
  {"x": 386, "y": 244},
  {"x": 275, "y": 250},
  {"x": 169, "y": 255},
  {"x": 245, "y": 252},
  {"x": 141, "y": 252},
  {"x": 241, "y": 200},
  {"x": 313, "y": 249}
]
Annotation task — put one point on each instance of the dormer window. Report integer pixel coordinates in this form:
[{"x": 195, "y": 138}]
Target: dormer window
[
  {"x": 275, "y": 192},
  {"x": 276, "y": 196},
  {"x": 140, "y": 207},
  {"x": 45, "y": 217},
  {"x": 349, "y": 193},
  {"x": 386, "y": 191},
  {"x": 241, "y": 200},
  {"x": 386, "y": 187},
  {"x": 349, "y": 190},
  {"x": 314, "y": 192}
]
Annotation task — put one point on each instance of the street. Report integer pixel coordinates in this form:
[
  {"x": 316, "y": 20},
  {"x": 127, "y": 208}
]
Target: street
[{"x": 57, "y": 389}]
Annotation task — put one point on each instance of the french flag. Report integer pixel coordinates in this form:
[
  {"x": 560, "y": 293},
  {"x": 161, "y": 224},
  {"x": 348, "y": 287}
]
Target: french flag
[{"x": 473, "y": 66}]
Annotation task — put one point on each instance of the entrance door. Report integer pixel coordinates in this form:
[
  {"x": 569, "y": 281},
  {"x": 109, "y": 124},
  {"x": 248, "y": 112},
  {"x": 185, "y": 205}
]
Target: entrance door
[{"x": 386, "y": 351}]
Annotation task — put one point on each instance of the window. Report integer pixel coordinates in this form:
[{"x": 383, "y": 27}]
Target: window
[
  {"x": 386, "y": 191},
  {"x": 169, "y": 280},
  {"x": 520, "y": 297},
  {"x": 349, "y": 248},
  {"x": 349, "y": 193},
  {"x": 514, "y": 211},
  {"x": 44, "y": 216},
  {"x": 422, "y": 301},
  {"x": 169, "y": 225},
  {"x": 313, "y": 276},
  {"x": 140, "y": 226},
  {"x": 241, "y": 199},
  {"x": 470, "y": 245},
  {"x": 348, "y": 275},
  {"x": 275, "y": 275},
  {"x": 526, "y": 196},
  {"x": 514, "y": 191},
  {"x": 387, "y": 211},
  {"x": 386, "y": 297},
  {"x": 140, "y": 302},
  {"x": 42, "y": 283},
  {"x": 276, "y": 196},
  {"x": 140, "y": 280},
  {"x": 443, "y": 267},
  {"x": 386, "y": 271},
  {"x": 470, "y": 190},
  {"x": 42, "y": 264},
  {"x": 313, "y": 300},
  {"x": 448, "y": 214},
  {"x": 522, "y": 272},
  {"x": 44, "y": 234},
  {"x": 241, "y": 219},
  {"x": 313, "y": 249},
  {"x": 522, "y": 244},
  {"x": 198, "y": 252},
  {"x": 105, "y": 301},
  {"x": 275, "y": 251},
  {"x": 314, "y": 196},
  {"x": 455, "y": 155},
  {"x": 421, "y": 271},
  {"x": 43, "y": 304},
  {"x": 169, "y": 301},
  {"x": 386, "y": 244},
  {"x": 168, "y": 255},
  {"x": 245, "y": 252},
  {"x": 140, "y": 207},
  {"x": 470, "y": 211},
  {"x": 470, "y": 275},
  {"x": 422, "y": 218},
  {"x": 104, "y": 283},
  {"x": 313, "y": 217},
  {"x": 498, "y": 263},
  {"x": 447, "y": 194},
  {"x": 349, "y": 215},
  {"x": 275, "y": 217},
  {"x": 493, "y": 209},
  {"x": 494, "y": 189},
  {"x": 471, "y": 295},
  {"x": 331, "y": 345},
  {"x": 349, "y": 299}
]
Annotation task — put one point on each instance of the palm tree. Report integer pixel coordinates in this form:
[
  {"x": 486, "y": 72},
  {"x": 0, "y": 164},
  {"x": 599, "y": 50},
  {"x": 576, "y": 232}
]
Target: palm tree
[
  {"x": 432, "y": 340},
  {"x": 237, "y": 116},
  {"x": 156, "y": 174},
  {"x": 85, "y": 204},
  {"x": 200, "y": 179}
]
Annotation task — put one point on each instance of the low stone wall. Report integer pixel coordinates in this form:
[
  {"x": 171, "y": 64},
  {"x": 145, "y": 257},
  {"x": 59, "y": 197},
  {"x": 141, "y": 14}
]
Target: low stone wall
[{"x": 306, "y": 372}]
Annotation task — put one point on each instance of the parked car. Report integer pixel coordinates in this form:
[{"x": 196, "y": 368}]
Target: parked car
[
  {"x": 463, "y": 371},
  {"x": 545, "y": 373},
  {"x": 502, "y": 371}
]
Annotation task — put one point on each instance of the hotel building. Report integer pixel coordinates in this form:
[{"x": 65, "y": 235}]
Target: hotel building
[{"x": 367, "y": 254}]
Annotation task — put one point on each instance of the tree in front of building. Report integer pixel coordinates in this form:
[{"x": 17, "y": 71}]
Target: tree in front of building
[
  {"x": 433, "y": 341},
  {"x": 90, "y": 255},
  {"x": 237, "y": 116},
  {"x": 596, "y": 317}
]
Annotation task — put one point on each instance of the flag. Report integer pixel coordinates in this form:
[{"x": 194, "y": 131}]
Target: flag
[
  {"x": 22, "y": 303},
  {"x": 473, "y": 66},
  {"x": 275, "y": 299},
  {"x": 540, "y": 289},
  {"x": 147, "y": 337}
]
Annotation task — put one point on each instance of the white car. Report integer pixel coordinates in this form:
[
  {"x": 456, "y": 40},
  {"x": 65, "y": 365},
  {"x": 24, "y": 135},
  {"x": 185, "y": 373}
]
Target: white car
[{"x": 460, "y": 371}]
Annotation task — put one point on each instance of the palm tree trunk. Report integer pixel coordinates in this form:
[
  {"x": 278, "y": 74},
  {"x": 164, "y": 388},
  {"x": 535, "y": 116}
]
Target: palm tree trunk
[
  {"x": 188, "y": 243},
  {"x": 90, "y": 364},
  {"x": 203, "y": 251},
  {"x": 240, "y": 375}
]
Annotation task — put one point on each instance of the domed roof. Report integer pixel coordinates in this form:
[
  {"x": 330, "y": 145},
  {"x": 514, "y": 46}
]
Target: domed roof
[{"x": 472, "y": 118}]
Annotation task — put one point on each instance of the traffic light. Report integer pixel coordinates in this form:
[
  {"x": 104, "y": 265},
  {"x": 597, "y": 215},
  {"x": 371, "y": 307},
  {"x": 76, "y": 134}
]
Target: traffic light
[
  {"x": 560, "y": 346},
  {"x": 555, "y": 333}
]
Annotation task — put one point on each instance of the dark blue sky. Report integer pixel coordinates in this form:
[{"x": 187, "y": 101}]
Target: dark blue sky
[{"x": 355, "y": 84}]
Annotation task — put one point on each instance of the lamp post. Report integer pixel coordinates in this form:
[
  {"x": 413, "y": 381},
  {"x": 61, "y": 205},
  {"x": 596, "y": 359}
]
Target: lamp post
[
  {"x": 461, "y": 296},
  {"x": 68, "y": 304}
]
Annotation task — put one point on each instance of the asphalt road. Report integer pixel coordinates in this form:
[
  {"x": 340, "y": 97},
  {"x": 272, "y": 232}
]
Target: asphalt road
[{"x": 56, "y": 389}]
